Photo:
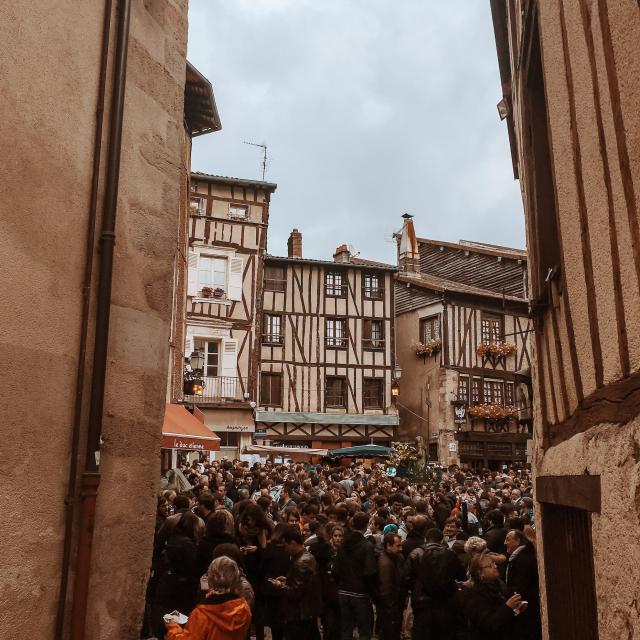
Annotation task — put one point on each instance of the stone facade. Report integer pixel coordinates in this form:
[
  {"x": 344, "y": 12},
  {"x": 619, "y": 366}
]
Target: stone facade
[
  {"x": 49, "y": 117},
  {"x": 570, "y": 82}
]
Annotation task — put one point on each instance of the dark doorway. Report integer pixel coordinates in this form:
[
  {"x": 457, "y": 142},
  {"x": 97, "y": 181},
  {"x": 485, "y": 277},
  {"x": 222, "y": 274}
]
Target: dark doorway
[{"x": 568, "y": 559}]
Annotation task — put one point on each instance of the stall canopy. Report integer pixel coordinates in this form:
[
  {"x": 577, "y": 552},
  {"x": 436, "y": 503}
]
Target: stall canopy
[
  {"x": 363, "y": 451},
  {"x": 181, "y": 430},
  {"x": 266, "y": 450}
]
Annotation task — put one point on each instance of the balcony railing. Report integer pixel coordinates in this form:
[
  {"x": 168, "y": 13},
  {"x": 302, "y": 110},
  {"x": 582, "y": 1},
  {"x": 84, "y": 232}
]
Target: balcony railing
[
  {"x": 336, "y": 342},
  {"x": 272, "y": 338},
  {"x": 335, "y": 400},
  {"x": 215, "y": 389}
]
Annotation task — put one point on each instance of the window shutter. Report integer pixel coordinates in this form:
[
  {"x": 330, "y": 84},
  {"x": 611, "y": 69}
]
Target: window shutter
[
  {"x": 366, "y": 330},
  {"x": 192, "y": 274},
  {"x": 231, "y": 386},
  {"x": 235, "y": 279}
]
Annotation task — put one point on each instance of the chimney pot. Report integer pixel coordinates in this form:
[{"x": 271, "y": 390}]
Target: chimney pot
[
  {"x": 294, "y": 244},
  {"x": 342, "y": 254}
]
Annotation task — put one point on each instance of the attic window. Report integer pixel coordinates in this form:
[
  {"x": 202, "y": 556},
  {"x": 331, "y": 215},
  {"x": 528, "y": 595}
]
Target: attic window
[{"x": 238, "y": 211}]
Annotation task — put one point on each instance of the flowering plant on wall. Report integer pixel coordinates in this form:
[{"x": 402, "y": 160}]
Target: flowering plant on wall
[
  {"x": 428, "y": 348},
  {"x": 492, "y": 411},
  {"x": 495, "y": 349}
]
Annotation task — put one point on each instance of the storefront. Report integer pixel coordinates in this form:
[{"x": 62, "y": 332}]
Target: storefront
[
  {"x": 234, "y": 427},
  {"x": 185, "y": 436}
]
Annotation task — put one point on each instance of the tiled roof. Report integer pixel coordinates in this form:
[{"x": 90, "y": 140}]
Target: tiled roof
[
  {"x": 355, "y": 262},
  {"x": 441, "y": 284},
  {"x": 478, "y": 247}
]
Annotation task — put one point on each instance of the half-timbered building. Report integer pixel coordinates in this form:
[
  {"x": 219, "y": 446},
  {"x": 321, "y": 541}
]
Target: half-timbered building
[
  {"x": 463, "y": 346},
  {"x": 569, "y": 73},
  {"x": 327, "y": 350},
  {"x": 227, "y": 242}
]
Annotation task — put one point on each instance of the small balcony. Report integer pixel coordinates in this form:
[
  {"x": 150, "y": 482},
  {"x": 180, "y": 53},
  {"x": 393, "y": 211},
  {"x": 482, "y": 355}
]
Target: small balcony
[{"x": 215, "y": 390}]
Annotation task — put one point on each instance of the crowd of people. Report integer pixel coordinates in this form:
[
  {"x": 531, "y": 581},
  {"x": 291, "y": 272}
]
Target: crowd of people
[{"x": 319, "y": 551}]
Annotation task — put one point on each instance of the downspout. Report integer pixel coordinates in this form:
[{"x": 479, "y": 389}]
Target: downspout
[
  {"x": 71, "y": 496},
  {"x": 91, "y": 475}
]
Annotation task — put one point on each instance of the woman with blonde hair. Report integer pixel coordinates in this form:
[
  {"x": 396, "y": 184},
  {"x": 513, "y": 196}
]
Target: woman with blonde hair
[{"x": 223, "y": 615}]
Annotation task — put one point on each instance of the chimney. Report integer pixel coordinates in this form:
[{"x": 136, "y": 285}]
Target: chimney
[
  {"x": 408, "y": 254},
  {"x": 342, "y": 254},
  {"x": 294, "y": 244}
]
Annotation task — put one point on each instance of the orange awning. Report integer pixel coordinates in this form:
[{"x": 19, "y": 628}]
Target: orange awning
[{"x": 181, "y": 430}]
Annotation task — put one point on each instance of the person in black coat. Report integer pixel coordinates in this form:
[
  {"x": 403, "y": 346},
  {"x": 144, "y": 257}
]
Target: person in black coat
[
  {"x": 415, "y": 537},
  {"x": 495, "y": 532},
  {"x": 522, "y": 578},
  {"x": 489, "y": 607},
  {"x": 178, "y": 585},
  {"x": 216, "y": 533},
  {"x": 275, "y": 562}
]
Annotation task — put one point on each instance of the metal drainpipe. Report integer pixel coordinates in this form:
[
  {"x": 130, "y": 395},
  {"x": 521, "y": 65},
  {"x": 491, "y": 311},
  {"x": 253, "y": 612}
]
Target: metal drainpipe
[
  {"x": 91, "y": 474},
  {"x": 70, "y": 498}
]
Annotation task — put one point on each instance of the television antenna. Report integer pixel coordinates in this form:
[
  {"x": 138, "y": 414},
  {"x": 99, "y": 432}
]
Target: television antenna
[{"x": 264, "y": 155}]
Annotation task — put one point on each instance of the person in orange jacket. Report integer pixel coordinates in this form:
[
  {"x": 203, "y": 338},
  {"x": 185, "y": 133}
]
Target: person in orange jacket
[{"x": 223, "y": 615}]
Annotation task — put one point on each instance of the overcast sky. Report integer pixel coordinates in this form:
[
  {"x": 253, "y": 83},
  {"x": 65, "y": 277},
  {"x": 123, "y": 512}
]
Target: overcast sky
[{"x": 369, "y": 109}]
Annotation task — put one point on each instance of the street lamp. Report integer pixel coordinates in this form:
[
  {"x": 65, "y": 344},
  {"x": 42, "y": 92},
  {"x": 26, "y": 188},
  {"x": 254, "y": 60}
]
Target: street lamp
[
  {"x": 395, "y": 390},
  {"x": 193, "y": 384}
]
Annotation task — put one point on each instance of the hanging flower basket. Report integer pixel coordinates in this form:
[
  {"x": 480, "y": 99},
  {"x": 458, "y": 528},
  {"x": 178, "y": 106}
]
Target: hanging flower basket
[
  {"x": 207, "y": 292},
  {"x": 428, "y": 348},
  {"x": 492, "y": 411},
  {"x": 495, "y": 349}
]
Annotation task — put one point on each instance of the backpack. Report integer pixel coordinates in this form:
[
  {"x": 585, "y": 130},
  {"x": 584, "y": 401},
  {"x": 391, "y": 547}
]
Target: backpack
[{"x": 435, "y": 572}]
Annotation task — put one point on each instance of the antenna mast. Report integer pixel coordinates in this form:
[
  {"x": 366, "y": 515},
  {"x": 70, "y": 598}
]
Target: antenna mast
[{"x": 264, "y": 155}]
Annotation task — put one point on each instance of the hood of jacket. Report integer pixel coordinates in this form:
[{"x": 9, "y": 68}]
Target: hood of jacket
[{"x": 227, "y": 612}]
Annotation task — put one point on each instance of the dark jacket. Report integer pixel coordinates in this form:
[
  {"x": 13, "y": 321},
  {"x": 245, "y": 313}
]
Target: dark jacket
[
  {"x": 355, "y": 567},
  {"x": 325, "y": 555},
  {"x": 302, "y": 591},
  {"x": 427, "y": 588},
  {"x": 412, "y": 541},
  {"x": 207, "y": 547},
  {"x": 391, "y": 583},
  {"x": 275, "y": 563},
  {"x": 495, "y": 537},
  {"x": 486, "y": 615},
  {"x": 522, "y": 578},
  {"x": 441, "y": 512}
]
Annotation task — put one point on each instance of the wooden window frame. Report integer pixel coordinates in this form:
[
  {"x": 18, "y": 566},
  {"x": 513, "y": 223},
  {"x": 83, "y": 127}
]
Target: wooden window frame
[
  {"x": 344, "y": 395},
  {"x": 268, "y": 337},
  {"x": 270, "y": 401},
  {"x": 330, "y": 341},
  {"x": 369, "y": 343},
  {"x": 200, "y": 210},
  {"x": 464, "y": 387},
  {"x": 379, "y": 400},
  {"x": 370, "y": 292},
  {"x": 436, "y": 323},
  {"x": 275, "y": 284},
  {"x": 491, "y": 319},
  {"x": 331, "y": 287}
]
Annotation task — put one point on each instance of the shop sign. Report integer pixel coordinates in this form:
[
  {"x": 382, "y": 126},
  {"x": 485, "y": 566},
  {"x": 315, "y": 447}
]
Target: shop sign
[
  {"x": 453, "y": 447},
  {"x": 237, "y": 427},
  {"x": 189, "y": 444}
]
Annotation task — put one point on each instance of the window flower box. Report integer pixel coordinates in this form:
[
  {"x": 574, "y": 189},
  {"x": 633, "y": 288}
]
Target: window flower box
[
  {"x": 207, "y": 292},
  {"x": 218, "y": 292},
  {"x": 492, "y": 411},
  {"x": 495, "y": 349},
  {"x": 428, "y": 348}
]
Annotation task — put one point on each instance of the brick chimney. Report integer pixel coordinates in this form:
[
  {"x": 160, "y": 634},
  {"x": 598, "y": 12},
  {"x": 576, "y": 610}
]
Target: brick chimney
[
  {"x": 294, "y": 244},
  {"x": 342, "y": 254},
  {"x": 408, "y": 254}
]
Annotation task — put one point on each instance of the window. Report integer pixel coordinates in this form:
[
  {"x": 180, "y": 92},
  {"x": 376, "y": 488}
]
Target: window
[
  {"x": 493, "y": 391},
  {"x": 272, "y": 329},
  {"x": 238, "y": 211},
  {"x": 333, "y": 284},
  {"x": 212, "y": 273},
  {"x": 430, "y": 329},
  {"x": 492, "y": 329},
  {"x": 336, "y": 333},
  {"x": 271, "y": 389},
  {"x": 372, "y": 286},
  {"x": 228, "y": 438},
  {"x": 210, "y": 349},
  {"x": 475, "y": 391},
  {"x": 463, "y": 388},
  {"x": 196, "y": 204},
  {"x": 508, "y": 394},
  {"x": 274, "y": 278},
  {"x": 335, "y": 392},
  {"x": 372, "y": 334},
  {"x": 373, "y": 393}
]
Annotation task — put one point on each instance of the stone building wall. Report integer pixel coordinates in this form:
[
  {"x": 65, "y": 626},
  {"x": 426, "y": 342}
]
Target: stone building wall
[{"x": 50, "y": 66}]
